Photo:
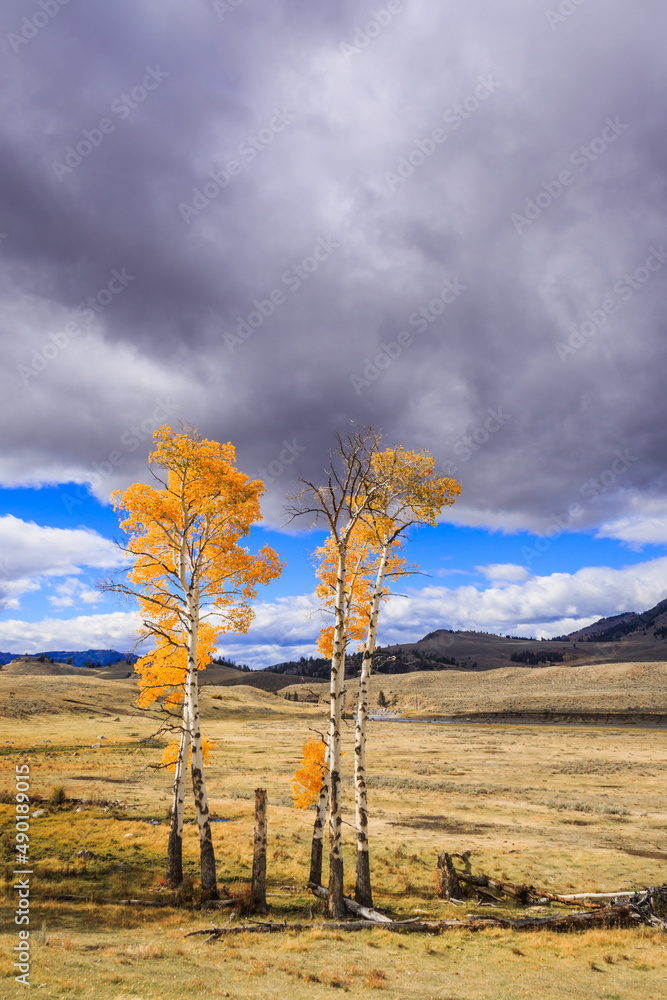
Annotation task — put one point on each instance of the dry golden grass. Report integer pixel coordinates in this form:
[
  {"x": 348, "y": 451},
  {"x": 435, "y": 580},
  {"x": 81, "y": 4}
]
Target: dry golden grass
[
  {"x": 571, "y": 809},
  {"x": 601, "y": 688}
]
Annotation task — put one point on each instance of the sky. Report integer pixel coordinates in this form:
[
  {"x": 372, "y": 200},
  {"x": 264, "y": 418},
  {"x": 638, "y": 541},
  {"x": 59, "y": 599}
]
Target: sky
[{"x": 273, "y": 219}]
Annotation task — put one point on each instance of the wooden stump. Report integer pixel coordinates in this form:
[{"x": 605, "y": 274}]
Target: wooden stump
[
  {"x": 449, "y": 883},
  {"x": 259, "y": 854}
]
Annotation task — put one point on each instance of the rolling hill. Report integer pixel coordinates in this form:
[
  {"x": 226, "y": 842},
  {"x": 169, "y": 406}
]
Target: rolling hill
[{"x": 630, "y": 637}]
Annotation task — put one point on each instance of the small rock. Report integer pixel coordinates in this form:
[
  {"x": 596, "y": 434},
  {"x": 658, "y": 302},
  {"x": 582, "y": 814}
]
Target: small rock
[
  {"x": 117, "y": 719},
  {"x": 81, "y": 809},
  {"x": 93, "y": 746},
  {"x": 85, "y": 854},
  {"x": 38, "y": 812},
  {"x": 101, "y": 737},
  {"x": 129, "y": 835}
]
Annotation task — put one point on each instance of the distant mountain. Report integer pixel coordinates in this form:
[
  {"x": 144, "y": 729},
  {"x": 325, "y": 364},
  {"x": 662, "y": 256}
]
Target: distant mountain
[
  {"x": 625, "y": 637},
  {"x": 620, "y": 626},
  {"x": 629, "y": 636},
  {"x": 602, "y": 625},
  {"x": 91, "y": 657},
  {"x": 87, "y": 658}
]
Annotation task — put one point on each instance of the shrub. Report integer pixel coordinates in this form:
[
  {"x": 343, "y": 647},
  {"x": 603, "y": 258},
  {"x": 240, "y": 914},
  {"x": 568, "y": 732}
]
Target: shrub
[{"x": 58, "y": 796}]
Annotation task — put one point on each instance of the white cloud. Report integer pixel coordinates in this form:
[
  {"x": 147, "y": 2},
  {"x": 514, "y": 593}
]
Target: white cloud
[
  {"x": 543, "y": 606},
  {"x": 645, "y": 524},
  {"x": 31, "y": 552},
  {"x": 67, "y": 594},
  {"x": 287, "y": 629},
  {"x": 112, "y": 631},
  {"x": 505, "y": 572}
]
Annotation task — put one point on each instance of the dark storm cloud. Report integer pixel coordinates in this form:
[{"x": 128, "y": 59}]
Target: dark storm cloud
[{"x": 446, "y": 222}]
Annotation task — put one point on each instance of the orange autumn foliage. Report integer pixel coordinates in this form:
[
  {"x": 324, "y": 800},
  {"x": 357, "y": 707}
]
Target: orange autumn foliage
[
  {"x": 362, "y": 564},
  {"x": 170, "y": 753},
  {"x": 187, "y": 561},
  {"x": 308, "y": 778},
  {"x": 414, "y": 492}
]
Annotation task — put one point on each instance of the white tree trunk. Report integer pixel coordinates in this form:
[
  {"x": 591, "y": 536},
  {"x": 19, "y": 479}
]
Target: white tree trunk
[
  {"x": 175, "y": 847},
  {"x": 318, "y": 827},
  {"x": 336, "y": 904},
  {"x": 363, "y": 891},
  {"x": 207, "y": 857}
]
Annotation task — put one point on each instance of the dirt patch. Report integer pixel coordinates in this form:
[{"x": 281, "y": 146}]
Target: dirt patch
[
  {"x": 441, "y": 823},
  {"x": 637, "y": 853},
  {"x": 98, "y": 777}
]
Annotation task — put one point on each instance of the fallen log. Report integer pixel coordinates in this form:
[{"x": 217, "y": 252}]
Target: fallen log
[
  {"x": 596, "y": 895},
  {"x": 349, "y": 925},
  {"x": 356, "y": 908},
  {"x": 113, "y": 902},
  {"x": 623, "y": 915},
  {"x": 218, "y": 904},
  {"x": 608, "y": 916},
  {"x": 523, "y": 893}
]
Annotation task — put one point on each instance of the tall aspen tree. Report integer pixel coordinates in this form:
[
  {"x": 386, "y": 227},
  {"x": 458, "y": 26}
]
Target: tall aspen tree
[{"x": 193, "y": 582}]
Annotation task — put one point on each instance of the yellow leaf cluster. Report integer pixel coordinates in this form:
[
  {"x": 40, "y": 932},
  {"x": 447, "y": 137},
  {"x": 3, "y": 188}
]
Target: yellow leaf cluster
[
  {"x": 162, "y": 672},
  {"x": 414, "y": 491},
  {"x": 170, "y": 753},
  {"x": 184, "y": 543},
  {"x": 362, "y": 565},
  {"x": 308, "y": 778}
]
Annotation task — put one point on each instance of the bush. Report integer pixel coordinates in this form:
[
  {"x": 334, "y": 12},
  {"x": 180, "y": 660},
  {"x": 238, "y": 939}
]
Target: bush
[{"x": 58, "y": 796}]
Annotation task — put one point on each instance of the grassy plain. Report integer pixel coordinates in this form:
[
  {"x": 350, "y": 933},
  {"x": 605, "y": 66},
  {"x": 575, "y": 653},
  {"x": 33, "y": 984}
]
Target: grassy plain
[{"x": 571, "y": 808}]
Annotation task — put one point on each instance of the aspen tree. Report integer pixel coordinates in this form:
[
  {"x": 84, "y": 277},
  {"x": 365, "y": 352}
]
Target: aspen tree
[
  {"x": 192, "y": 579},
  {"x": 363, "y": 563},
  {"x": 339, "y": 503},
  {"x": 411, "y": 493}
]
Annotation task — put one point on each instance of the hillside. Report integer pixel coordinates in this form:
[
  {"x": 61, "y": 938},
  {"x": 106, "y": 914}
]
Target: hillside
[
  {"x": 602, "y": 625},
  {"x": 32, "y": 666},
  {"x": 613, "y": 630},
  {"x": 77, "y": 658},
  {"x": 620, "y": 693},
  {"x": 216, "y": 674},
  {"x": 628, "y": 637}
]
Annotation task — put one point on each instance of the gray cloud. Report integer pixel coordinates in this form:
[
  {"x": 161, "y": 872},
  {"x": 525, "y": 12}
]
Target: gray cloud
[{"x": 350, "y": 123}]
